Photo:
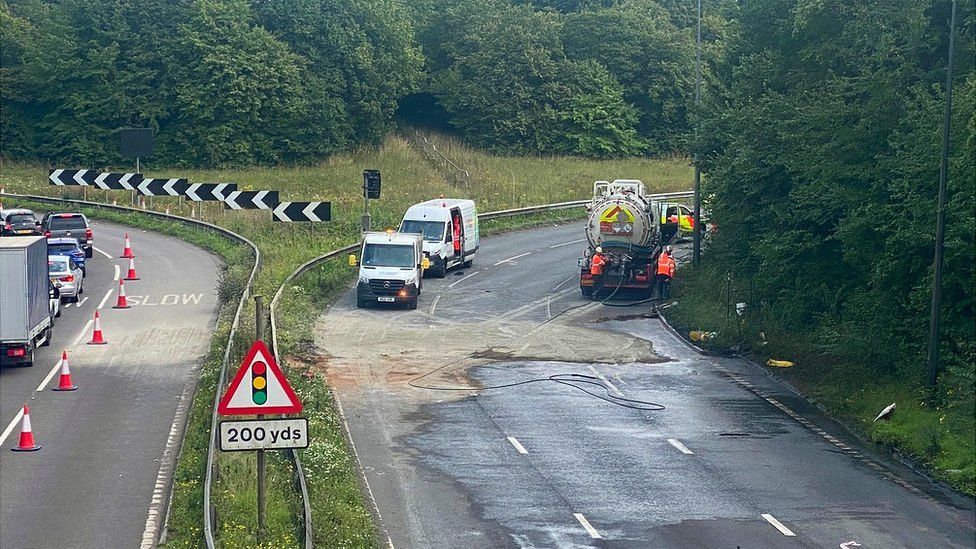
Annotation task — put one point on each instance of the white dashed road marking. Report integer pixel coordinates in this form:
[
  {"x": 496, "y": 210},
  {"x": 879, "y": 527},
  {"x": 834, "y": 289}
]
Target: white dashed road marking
[
  {"x": 586, "y": 524},
  {"x": 118, "y": 271},
  {"x": 511, "y": 259},
  {"x": 104, "y": 299},
  {"x": 566, "y": 243},
  {"x": 518, "y": 445},
  {"x": 103, "y": 252},
  {"x": 778, "y": 525},
  {"x": 453, "y": 284},
  {"x": 681, "y": 447}
]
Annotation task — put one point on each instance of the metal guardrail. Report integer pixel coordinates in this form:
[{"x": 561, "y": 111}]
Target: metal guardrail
[{"x": 208, "y": 512}]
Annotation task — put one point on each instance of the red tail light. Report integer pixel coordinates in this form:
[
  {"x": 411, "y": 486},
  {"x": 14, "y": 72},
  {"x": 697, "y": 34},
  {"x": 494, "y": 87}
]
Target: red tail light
[
  {"x": 8, "y": 226},
  {"x": 47, "y": 234},
  {"x": 88, "y": 234},
  {"x": 69, "y": 278}
]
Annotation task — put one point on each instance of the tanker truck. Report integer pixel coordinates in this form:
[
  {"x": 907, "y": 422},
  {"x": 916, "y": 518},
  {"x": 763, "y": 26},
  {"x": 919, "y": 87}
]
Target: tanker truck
[{"x": 623, "y": 221}]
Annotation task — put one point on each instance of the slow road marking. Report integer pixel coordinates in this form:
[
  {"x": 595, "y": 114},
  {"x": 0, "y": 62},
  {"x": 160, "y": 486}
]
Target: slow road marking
[
  {"x": 511, "y": 259},
  {"x": 586, "y": 524},
  {"x": 681, "y": 447},
  {"x": 168, "y": 299},
  {"x": 518, "y": 445},
  {"x": 778, "y": 525}
]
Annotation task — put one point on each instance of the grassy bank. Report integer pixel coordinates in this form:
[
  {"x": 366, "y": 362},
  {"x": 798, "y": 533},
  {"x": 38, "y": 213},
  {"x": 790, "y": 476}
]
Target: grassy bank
[
  {"x": 340, "y": 516},
  {"x": 940, "y": 437}
]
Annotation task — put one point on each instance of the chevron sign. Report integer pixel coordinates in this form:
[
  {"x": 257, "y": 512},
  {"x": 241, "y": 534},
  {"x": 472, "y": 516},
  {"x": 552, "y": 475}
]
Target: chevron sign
[
  {"x": 202, "y": 192},
  {"x": 251, "y": 200},
  {"x": 92, "y": 178},
  {"x": 162, "y": 187},
  {"x": 302, "y": 211}
]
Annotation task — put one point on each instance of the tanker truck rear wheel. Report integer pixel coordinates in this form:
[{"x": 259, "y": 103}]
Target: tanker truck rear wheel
[{"x": 587, "y": 291}]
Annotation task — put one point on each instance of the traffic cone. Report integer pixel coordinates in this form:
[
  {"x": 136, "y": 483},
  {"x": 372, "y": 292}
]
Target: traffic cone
[
  {"x": 127, "y": 252},
  {"x": 65, "y": 383},
  {"x": 26, "y": 435},
  {"x": 97, "y": 338},
  {"x": 121, "y": 303},
  {"x": 131, "y": 275}
]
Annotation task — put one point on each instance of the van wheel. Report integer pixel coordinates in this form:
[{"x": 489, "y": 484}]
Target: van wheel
[
  {"x": 468, "y": 263},
  {"x": 412, "y": 304},
  {"x": 441, "y": 270},
  {"x": 360, "y": 303},
  {"x": 47, "y": 337},
  {"x": 587, "y": 291}
]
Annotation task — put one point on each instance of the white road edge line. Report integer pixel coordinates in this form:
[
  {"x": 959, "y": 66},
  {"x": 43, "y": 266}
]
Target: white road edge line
[
  {"x": 605, "y": 380},
  {"x": 13, "y": 423},
  {"x": 104, "y": 299},
  {"x": 47, "y": 379},
  {"x": 570, "y": 277},
  {"x": 566, "y": 243},
  {"x": 103, "y": 252},
  {"x": 78, "y": 304},
  {"x": 518, "y": 445},
  {"x": 548, "y": 308},
  {"x": 681, "y": 447},
  {"x": 453, "y": 284},
  {"x": 81, "y": 334},
  {"x": 778, "y": 525},
  {"x": 586, "y": 524},
  {"x": 511, "y": 259},
  {"x": 118, "y": 271}
]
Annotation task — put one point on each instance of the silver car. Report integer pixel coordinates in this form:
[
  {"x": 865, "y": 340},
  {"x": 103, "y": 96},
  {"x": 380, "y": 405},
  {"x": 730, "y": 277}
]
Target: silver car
[{"x": 66, "y": 275}]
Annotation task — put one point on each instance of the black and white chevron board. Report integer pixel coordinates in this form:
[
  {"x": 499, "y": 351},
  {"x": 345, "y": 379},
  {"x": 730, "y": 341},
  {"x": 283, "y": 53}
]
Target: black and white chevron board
[
  {"x": 251, "y": 200},
  {"x": 92, "y": 178},
  {"x": 302, "y": 211},
  {"x": 162, "y": 187},
  {"x": 203, "y": 192}
]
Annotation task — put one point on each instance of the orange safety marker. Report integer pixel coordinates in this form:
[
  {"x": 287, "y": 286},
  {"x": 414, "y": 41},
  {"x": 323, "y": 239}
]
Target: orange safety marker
[
  {"x": 97, "y": 338},
  {"x": 121, "y": 303},
  {"x": 27, "y": 443},
  {"x": 131, "y": 275},
  {"x": 127, "y": 252},
  {"x": 65, "y": 384}
]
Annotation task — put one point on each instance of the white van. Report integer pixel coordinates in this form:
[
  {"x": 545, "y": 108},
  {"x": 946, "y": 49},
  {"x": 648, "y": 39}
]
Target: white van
[
  {"x": 450, "y": 229},
  {"x": 391, "y": 269}
]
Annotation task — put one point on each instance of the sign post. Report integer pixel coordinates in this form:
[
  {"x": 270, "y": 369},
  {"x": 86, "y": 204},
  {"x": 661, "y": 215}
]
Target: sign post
[
  {"x": 371, "y": 189},
  {"x": 260, "y": 388}
]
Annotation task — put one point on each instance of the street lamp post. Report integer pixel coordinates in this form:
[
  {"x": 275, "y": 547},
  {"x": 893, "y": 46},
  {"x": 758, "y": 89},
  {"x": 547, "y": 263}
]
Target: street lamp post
[{"x": 697, "y": 232}]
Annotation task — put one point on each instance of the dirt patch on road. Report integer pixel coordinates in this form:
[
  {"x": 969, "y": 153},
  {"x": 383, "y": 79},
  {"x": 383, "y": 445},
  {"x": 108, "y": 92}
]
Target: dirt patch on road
[{"x": 375, "y": 348}]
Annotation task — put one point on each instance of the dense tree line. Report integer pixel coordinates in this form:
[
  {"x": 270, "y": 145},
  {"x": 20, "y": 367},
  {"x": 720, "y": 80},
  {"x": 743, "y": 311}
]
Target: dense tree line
[
  {"x": 823, "y": 140},
  {"x": 270, "y": 81}
]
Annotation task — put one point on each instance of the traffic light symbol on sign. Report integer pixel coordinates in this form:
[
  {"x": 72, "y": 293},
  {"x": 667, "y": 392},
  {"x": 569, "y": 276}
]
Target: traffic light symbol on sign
[{"x": 259, "y": 382}]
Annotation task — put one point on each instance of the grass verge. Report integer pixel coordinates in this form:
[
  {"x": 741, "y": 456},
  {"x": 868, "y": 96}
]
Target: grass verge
[{"x": 941, "y": 437}]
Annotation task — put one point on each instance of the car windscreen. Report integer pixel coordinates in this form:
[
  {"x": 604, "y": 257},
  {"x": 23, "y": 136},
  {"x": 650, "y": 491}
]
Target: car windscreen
[
  {"x": 432, "y": 230},
  {"x": 63, "y": 223},
  {"x": 20, "y": 218},
  {"x": 55, "y": 266},
  {"x": 61, "y": 248},
  {"x": 388, "y": 255}
]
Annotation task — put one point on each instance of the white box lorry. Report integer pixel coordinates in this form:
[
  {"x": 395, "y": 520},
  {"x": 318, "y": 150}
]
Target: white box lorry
[
  {"x": 391, "y": 269},
  {"x": 450, "y": 230},
  {"x": 25, "y": 311}
]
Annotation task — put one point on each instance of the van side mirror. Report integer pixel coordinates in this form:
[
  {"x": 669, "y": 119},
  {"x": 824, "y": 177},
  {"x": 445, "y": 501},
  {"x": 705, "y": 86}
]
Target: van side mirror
[
  {"x": 425, "y": 263},
  {"x": 352, "y": 260}
]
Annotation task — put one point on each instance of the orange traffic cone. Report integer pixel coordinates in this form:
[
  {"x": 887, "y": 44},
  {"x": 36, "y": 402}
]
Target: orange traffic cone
[
  {"x": 121, "y": 303},
  {"x": 26, "y": 435},
  {"x": 97, "y": 338},
  {"x": 65, "y": 383},
  {"x": 131, "y": 275},
  {"x": 127, "y": 252}
]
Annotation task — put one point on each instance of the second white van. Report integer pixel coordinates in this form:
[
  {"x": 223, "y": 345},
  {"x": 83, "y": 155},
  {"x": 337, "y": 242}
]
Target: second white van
[{"x": 450, "y": 230}]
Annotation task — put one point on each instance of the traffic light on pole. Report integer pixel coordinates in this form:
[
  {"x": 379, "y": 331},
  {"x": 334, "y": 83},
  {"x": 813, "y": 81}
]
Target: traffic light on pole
[
  {"x": 259, "y": 382},
  {"x": 371, "y": 183}
]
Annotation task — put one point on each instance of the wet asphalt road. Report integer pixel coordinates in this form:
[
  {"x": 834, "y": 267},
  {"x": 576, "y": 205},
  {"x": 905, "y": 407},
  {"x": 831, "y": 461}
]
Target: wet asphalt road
[
  {"x": 92, "y": 482},
  {"x": 734, "y": 460}
]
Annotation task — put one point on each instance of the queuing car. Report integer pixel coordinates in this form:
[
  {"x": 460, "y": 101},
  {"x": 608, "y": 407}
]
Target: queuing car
[
  {"x": 68, "y": 247},
  {"x": 75, "y": 225},
  {"x": 66, "y": 275},
  {"x": 18, "y": 222}
]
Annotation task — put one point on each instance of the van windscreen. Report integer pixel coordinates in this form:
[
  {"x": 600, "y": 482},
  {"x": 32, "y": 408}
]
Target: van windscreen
[
  {"x": 433, "y": 231},
  {"x": 388, "y": 255}
]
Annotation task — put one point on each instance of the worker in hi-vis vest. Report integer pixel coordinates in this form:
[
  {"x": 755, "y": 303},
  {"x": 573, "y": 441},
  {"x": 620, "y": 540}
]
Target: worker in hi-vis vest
[
  {"x": 596, "y": 268},
  {"x": 665, "y": 272}
]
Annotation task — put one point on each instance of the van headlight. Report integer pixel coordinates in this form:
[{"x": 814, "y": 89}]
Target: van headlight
[
  {"x": 364, "y": 279},
  {"x": 411, "y": 280}
]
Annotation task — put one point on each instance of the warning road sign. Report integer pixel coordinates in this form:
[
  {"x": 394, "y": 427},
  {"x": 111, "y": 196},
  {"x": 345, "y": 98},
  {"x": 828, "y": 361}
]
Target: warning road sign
[{"x": 259, "y": 387}]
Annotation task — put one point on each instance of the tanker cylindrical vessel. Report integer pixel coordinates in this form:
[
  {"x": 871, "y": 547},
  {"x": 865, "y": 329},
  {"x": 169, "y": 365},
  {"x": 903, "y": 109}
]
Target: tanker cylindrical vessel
[{"x": 623, "y": 222}]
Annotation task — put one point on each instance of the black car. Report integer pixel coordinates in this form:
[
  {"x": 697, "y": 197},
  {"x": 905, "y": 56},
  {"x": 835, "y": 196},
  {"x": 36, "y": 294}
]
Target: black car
[
  {"x": 69, "y": 225},
  {"x": 18, "y": 222}
]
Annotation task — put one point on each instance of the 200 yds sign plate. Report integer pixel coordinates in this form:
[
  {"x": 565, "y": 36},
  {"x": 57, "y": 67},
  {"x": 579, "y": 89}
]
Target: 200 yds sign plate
[{"x": 264, "y": 434}]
